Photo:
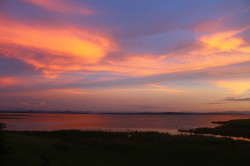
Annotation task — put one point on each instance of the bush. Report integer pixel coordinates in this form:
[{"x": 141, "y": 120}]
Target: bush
[{"x": 2, "y": 126}]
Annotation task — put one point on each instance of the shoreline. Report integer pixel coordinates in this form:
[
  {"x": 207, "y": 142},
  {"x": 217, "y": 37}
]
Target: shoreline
[{"x": 75, "y": 147}]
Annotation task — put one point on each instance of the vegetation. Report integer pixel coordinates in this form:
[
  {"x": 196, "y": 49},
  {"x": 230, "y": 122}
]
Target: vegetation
[
  {"x": 95, "y": 148},
  {"x": 2, "y": 126},
  {"x": 3, "y": 146},
  {"x": 237, "y": 128}
]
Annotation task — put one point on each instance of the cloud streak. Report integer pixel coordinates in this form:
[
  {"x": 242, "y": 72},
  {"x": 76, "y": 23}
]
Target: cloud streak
[
  {"x": 143, "y": 106},
  {"x": 237, "y": 99},
  {"x": 229, "y": 71},
  {"x": 61, "y": 6}
]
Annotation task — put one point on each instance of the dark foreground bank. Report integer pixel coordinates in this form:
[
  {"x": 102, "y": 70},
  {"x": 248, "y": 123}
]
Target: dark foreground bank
[
  {"x": 236, "y": 128},
  {"x": 96, "y": 148}
]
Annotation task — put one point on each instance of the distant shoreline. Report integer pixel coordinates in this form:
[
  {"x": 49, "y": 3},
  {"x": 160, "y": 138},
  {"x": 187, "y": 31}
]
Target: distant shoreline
[{"x": 128, "y": 113}]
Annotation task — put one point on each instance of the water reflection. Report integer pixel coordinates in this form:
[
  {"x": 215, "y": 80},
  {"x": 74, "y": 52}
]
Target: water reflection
[
  {"x": 162, "y": 123},
  {"x": 218, "y": 136}
]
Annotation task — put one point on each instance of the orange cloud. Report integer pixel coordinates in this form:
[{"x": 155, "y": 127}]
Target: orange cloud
[
  {"x": 60, "y": 6},
  {"x": 245, "y": 49},
  {"x": 8, "y": 81},
  {"x": 137, "y": 65},
  {"x": 69, "y": 49},
  {"x": 216, "y": 49},
  {"x": 59, "y": 46},
  {"x": 66, "y": 40},
  {"x": 237, "y": 87},
  {"x": 72, "y": 91},
  {"x": 51, "y": 65},
  {"x": 224, "y": 41},
  {"x": 162, "y": 90}
]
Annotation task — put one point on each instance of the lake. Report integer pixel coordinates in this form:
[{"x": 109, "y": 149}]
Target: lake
[{"x": 121, "y": 122}]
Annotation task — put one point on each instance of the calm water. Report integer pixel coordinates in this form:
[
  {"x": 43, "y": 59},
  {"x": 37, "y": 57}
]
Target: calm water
[{"x": 163, "y": 123}]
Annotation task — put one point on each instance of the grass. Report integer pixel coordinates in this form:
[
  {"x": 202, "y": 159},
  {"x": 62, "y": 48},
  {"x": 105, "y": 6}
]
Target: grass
[
  {"x": 95, "y": 148},
  {"x": 99, "y": 148},
  {"x": 237, "y": 128}
]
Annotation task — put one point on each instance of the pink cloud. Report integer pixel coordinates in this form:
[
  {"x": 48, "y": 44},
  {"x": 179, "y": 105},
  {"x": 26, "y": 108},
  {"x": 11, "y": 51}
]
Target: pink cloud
[{"x": 61, "y": 6}]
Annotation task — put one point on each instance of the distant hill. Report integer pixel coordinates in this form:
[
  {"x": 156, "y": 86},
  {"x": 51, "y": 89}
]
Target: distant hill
[{"x": 135, "y": 113}]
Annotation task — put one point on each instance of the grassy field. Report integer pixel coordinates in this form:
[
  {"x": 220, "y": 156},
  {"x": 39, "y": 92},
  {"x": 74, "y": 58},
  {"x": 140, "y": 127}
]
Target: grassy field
[
  {"x": 237, "y": 128},
  {"x": 96, "y": 148}
]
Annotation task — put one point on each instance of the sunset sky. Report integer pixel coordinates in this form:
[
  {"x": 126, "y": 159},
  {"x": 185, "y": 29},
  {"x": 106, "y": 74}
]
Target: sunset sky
[{"x": 125, "y": 55}]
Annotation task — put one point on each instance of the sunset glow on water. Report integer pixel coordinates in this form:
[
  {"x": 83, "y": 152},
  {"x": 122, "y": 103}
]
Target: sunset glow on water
[{"x": 112, "y": 122}]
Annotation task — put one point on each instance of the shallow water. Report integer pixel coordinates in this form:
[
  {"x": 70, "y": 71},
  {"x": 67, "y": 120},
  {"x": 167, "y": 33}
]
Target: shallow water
[
  {"x": 217, "y": 136},
  {"x": 161, "y": 123}
]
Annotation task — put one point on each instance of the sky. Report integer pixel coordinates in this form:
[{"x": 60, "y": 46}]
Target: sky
[{"x": 125, "y": 55}]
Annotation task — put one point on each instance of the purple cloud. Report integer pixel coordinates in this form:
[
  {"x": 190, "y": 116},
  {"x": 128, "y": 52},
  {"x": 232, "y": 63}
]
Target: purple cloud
[{"x": 236, "y": 99}]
